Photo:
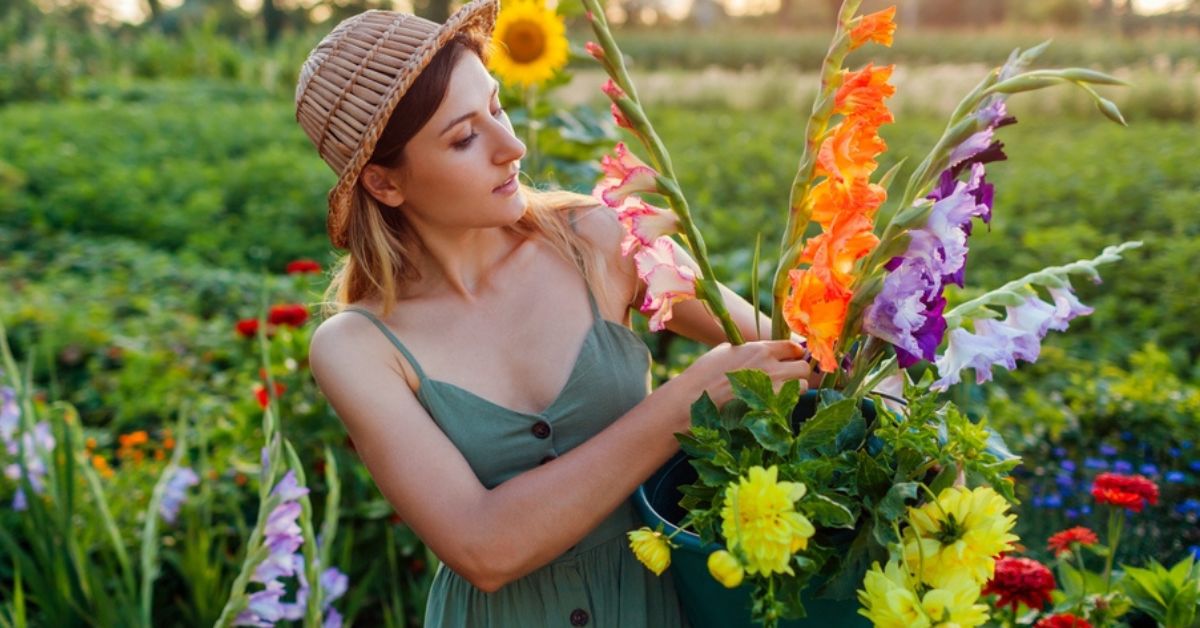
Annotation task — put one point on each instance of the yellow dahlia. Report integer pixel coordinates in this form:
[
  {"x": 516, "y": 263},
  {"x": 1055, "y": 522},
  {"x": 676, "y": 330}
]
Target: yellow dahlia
[
  {"x": 725, "y": 568},
  {"x": 890, "y": 600},
  {"x": 958, "y": 536},
  {"x": 651, "y": 549},
  {"x": 529, "y": 43},
  {"x": 760, "y": 518}
]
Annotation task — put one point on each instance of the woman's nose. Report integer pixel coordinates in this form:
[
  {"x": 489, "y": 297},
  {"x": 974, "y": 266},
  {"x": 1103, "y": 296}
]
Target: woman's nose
[{"x": 511, "y": 148}]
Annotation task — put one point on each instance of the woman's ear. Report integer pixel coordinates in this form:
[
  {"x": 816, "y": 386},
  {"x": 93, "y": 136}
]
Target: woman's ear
[{"x": 383, "y": 184}]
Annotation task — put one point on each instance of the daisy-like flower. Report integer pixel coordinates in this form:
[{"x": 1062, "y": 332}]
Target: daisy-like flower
[
  {"x": 958, "y": 536},
  {"x": 1062, "y": 620},
  {"x": 651, "y": 549},
  {"x": 303, "y": 266},
  {"x": 1020, "y": 581},
  {"x": 1064, "y": 542},
  {"x": 529, "y": 43},
  {"x": 759, "y": 518},
  {"x": 726, "y": 569},
  {"x": 668, "y": 278},
  {"x": 247, "y": 327},
  {"x": 1131, "y": 492},
  {"x": 292, "y": 315},
  {"x": 890, "y": 599}
]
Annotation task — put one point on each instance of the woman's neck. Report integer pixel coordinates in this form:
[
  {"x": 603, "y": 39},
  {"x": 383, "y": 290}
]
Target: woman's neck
[{"x": 463, "y": 263}]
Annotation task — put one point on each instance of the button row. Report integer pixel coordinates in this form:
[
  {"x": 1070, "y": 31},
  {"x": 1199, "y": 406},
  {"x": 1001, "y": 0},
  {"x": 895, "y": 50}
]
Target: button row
[{"x": 541, "y": 429}]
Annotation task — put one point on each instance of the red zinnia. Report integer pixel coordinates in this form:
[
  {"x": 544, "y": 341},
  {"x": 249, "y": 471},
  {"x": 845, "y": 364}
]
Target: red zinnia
[
  {"x": 1060, "y": 543},
  {"x": 1062, "y": 620},
  {"x": 302, "y": 266},
  {"x": 1131, "y": 492},
  {"x": 247, "y": 327},
  {"x": 1020, "y": 580},
  {"x": 292, "y": 314},
  {"x": 260, "y": 393}
]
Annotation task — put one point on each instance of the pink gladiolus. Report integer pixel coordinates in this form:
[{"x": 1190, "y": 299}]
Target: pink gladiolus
[
  {"x": 612, "y": 90},
  {"x": 624, "y": 174},
  {"x": 595, "y": 50},
  {"x": 620, "y": 118},
  {"x": 644, "y": 224},
  {"x": 668, "y": 279}
]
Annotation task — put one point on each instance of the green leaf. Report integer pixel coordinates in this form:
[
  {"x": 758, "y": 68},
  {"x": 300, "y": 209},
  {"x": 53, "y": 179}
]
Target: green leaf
[
  {"x": 871, "y": 477},
  {"x": 705, "y": 412},
  {"x": 823, "y": 429},
  {"x": 769, "y": 431},
  {"x": 694, "y": 447},
  {"x": 827, "y": 512},
  {"x": 754, "y": 387},
  {"x": 892, "y": 506},
  {"x": 1070, "y": 580},
  {"x": 785, "y": 401},
  {"x": 711, "y": 474},
  {"x": 732, "y": 413},
  {"x": 852, "y": 435}
]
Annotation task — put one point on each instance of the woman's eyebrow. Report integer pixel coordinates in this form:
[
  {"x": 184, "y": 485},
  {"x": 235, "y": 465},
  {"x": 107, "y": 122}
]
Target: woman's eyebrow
[{"x": 467, "y": 116}]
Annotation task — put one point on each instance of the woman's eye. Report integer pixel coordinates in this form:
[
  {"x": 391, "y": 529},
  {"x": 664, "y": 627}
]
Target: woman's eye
[{"x": 465, "y": 142}]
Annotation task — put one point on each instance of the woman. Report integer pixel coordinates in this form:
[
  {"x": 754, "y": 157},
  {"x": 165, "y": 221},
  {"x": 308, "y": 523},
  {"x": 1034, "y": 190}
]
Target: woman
[{"x": 506, "y": 416}]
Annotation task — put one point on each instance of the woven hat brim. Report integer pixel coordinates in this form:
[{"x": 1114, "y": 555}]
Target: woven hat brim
[{"x": 477, "y": 17}]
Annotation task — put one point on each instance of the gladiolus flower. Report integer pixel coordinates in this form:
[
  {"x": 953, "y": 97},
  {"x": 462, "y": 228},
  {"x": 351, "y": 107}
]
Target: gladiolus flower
[
  {"x": 176, "y": 492},
  {"x": 862, "y": 94},
  {"x": 594, "y": 50},
  {"x": 850, "y": 152},
  {"x": 624, "y": 174},
  {"x": 1062, "y": 620},
  {"x": 651, "y": 549},
  {"x": 619, "y": 118},
  {"x": 668, "y": 278},
  {"x": 833, "y": 253},
  {"x": 958, "y": 536},
  {"x": 759, "y": 517},
  {"x": 644, "y": 224},
  {"x": 878, "y": 27},
  {"x": 302, "y": 266},
  {"x": 726, "y": 569},
  {"x": 1131, "y": 492},
  {"x": 829, "y": 199},
  {"x": 291, "y": 314},
  {"x": 1063, "y": 542},
  {"x": 1020, "y": 581},
  {"x": 817, "y": 311},
  {"x": 612, "y": 90}
]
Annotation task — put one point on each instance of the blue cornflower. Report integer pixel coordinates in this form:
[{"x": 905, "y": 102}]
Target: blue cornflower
[
  {"x": 1174, "y": 452},
  {"x": 1127, "y": 436},
  {"x": 1072, "y": 513},
  {"x": 1064, "y": 480},
  {"x": 1175, "y": 477},
  {"x": 1095, "y": 464},
  {"x": 1038, "y": 501},
  {"x": 1123, "y": 466},
  {"x": 1188, "y": 505},
  {"x": 1194, "y": 551},
  {"x": 1194, "y": 466},
  {"x": 1060, "y": 452},
  {"x": 1107, "y": 450},
  {"x": 1085, "y": 509},
  {"x": 1053, "y": 500},
  {"x": 1148, "y": 469}
]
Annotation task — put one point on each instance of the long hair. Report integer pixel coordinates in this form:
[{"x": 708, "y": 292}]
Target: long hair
[{"x": 382, "y": 248}]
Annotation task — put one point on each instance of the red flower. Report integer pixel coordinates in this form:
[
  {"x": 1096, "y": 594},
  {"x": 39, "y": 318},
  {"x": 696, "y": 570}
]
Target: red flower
[
  {"x": 247, "y": 327},
  {"x": 1131, "y": 492},
  {"x": 1062, "y": 620},
  {"x": 302, "y": 266},
  {"x": 260, "y": 393},
  {"x": 291, "y": 314},
  {"x": 1020, "y": 580},
  {"x": 1060, "y": 543}
]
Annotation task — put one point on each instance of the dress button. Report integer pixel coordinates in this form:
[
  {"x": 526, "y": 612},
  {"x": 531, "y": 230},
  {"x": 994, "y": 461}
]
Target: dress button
[
  {"x": 541, "y": 429},
  {"x": 579, "y": 617},
  {"x": 547, "y": 459}
]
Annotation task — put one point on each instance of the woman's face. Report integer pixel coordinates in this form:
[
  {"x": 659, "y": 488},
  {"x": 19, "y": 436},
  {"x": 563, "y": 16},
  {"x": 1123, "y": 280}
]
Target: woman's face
[{"x": 460, "y": 169}]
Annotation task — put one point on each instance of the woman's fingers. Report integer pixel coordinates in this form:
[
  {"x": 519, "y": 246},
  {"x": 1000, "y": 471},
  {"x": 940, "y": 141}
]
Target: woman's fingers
[{"x": 785, "y": 349}]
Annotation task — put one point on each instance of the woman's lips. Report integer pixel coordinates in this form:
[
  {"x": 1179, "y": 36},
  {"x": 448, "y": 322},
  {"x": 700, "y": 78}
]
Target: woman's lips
[{"x": 507, "y": 188}]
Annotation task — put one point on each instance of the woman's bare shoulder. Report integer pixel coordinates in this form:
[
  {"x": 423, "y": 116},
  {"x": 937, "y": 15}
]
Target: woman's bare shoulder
[{"x": 599, "y": 225}]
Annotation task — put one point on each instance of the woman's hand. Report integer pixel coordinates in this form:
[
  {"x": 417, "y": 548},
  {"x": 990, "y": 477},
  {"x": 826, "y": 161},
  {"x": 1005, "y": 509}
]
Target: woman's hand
[{"x": 781, "y": 360}]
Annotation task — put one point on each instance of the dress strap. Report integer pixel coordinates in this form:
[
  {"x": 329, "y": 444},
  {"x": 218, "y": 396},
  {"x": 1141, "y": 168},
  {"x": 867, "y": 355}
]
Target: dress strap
[{"x": 392, "y": 337}]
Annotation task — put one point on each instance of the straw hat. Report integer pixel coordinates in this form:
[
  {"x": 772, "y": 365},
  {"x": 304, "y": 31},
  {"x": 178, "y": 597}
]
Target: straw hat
[{"x": 352, "y": 80}]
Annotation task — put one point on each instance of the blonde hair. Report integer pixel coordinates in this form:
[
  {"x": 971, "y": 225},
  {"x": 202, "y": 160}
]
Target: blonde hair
[{"x": 383, "y": 248}]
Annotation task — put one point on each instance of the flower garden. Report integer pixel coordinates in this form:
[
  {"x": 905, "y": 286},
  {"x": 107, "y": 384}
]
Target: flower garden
[{"x": 168, "y": 459}]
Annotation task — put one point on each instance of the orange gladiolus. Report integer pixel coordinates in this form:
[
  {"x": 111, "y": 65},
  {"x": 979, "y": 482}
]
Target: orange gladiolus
[
  {"x": 862, "y": 94},
  {"x": 829, "y": 199},
  {"x": 878, "y": 27},
  {"x": 833, "y": 253},
  {"x": 849, "y": 153},
  {"x": 817, "y": 311}
]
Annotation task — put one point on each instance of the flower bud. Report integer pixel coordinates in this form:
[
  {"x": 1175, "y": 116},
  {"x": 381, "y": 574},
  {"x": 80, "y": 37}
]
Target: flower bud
[
  {"x": 725, "y": 569},
  {"x": 595, "y": 50},
  {"x": 620, "y": 118},
  {"x": 651, "y": 549},
  {"x": 1091, "y": 76},
  {"x": 612, "y": 90},
  {"x": 1110, "y": 111}
]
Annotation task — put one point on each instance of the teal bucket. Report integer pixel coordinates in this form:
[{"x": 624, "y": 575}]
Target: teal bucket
[{"x": 707, "y": 603}]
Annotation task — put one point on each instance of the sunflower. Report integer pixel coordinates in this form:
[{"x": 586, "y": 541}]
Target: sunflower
[{"x": 529, "y": 43}]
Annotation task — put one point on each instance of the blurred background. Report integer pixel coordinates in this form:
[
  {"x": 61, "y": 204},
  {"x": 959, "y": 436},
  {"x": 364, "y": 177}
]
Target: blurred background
[{"x": 156, "y": 195}]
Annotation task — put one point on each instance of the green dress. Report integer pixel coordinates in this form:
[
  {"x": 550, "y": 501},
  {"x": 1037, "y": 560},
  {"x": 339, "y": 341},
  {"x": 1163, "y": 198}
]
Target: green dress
[{"x": 598, "y": 582}]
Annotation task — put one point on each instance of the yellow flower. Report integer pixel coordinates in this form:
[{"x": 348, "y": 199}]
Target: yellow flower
[
  {"x": 759, "y": 517},
  {"x": 725, "y": 568},
  {"x": 958, "y": 536},
  {"x": 529, "y": 43},
  {"x": 890, "y": 600},
  {"x": 651, "y": 549}
]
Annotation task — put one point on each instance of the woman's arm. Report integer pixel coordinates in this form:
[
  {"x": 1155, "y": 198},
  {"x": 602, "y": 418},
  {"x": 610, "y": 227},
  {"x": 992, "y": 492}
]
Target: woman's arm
[{"x": 492, "y": 537}]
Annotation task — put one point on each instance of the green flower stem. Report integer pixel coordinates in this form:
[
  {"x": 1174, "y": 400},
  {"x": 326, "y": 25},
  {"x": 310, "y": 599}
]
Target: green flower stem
[
  {"x": 707, "y": 289},
  {"x": 1115, "y": 521},
  {"x": 799, "y": 215},
  {"x": 1077, "y": 552}
]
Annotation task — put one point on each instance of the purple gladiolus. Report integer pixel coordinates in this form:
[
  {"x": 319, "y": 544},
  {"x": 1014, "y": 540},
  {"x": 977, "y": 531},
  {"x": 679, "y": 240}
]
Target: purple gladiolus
[
  {"x": 37, "y": 446},
  {"x": 175, "y": 492},
  {"x": 10, "y": 414}
]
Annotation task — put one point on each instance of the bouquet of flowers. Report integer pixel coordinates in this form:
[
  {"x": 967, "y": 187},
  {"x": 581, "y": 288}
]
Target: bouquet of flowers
[{"x": 872, "y": 484}]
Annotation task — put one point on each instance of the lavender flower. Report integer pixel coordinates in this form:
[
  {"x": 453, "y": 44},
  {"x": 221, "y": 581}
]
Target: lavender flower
[{"x": 175, "y": 492}]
